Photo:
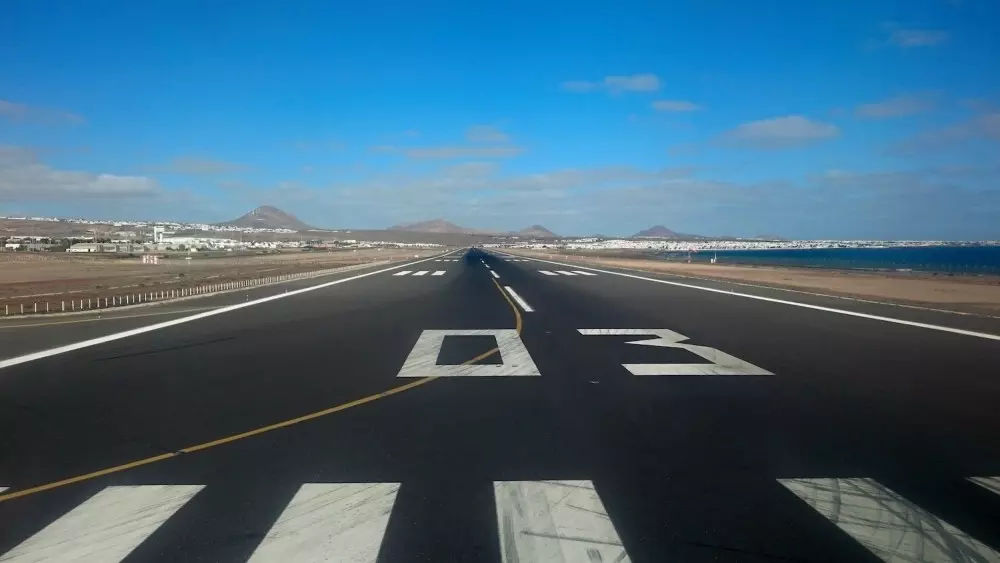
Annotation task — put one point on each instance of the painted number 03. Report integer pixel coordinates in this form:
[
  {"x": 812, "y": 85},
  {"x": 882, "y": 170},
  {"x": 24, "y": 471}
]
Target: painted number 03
[{"x": 721, "y": 362}]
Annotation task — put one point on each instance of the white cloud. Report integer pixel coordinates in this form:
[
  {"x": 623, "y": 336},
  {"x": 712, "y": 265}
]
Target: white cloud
[
  {"x": 23, "y": 178},
  {"x": 899, "y": 106},
  {"x": 23, "y": 112},
  {"x": 486, "y": 134},
  {"x": 779, "y": 132},
  {"x": 675, "y": 105},
  {"x": 644, "y": 82}
]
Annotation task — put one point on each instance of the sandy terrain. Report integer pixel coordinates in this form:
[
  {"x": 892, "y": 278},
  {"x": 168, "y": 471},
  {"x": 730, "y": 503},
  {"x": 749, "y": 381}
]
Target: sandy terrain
[
  {"x": 26, "y": 278},
  {"x": 974, "y": 294}
]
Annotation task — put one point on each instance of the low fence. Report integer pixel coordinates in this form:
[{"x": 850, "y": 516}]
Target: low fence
[{"x": 130, "y": 299}]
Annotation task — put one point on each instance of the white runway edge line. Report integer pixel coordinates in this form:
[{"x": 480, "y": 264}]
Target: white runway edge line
[
  {"x": 963, "y": 332},
  {"x": 172, "y": 322},
  {"x": 524, "y": 304}
]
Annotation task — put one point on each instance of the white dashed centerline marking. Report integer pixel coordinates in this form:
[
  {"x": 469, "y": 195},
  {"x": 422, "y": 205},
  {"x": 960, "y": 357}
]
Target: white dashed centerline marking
[
  {"x": 495, "y": 275},
  {"x": 524, "y": 304}
]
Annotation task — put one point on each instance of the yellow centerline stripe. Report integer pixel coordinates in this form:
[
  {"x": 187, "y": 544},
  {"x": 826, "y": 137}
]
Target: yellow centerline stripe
[{"x": 262, "y": 429}]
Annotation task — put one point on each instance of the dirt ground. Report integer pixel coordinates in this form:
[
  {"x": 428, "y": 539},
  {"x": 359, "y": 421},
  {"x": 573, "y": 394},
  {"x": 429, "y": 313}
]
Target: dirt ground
[
  {"x": 39, "y": 277},
  {"x": 972, "y": 294}
]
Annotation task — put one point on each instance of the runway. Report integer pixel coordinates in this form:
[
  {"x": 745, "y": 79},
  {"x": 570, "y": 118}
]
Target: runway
[{"x": 489, "y": 407}]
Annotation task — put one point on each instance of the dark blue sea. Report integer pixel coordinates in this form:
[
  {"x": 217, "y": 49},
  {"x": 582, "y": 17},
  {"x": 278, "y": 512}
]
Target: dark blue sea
[{"x": 952, "y": 259}]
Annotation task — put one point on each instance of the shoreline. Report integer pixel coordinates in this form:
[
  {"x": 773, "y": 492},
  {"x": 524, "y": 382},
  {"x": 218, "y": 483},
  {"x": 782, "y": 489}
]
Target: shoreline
[{"x": 967, "y": 294}]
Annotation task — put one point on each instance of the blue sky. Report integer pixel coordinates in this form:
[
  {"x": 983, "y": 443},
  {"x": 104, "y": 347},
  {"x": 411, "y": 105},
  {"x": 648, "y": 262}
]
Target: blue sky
[{"x": 848, "y": 119}]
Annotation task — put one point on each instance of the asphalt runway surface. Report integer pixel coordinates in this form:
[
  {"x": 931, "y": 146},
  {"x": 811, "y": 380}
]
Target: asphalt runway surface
[{"x": 504, "y": 410}]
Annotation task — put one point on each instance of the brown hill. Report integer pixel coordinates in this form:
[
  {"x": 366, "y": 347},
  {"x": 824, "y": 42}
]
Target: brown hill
[
  {"x": 536, "y": 231},
  {"x": 433, "y": 226},
  {"x": 268, "y": 217},
  {"x": 657, "y": 231}
]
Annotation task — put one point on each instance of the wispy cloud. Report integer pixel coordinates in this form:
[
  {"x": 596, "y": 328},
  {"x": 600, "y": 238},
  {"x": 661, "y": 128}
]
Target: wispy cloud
[
  {"x": 983, "y": 127},
  {"x": 35, "y": 114},
  {"x": 645, "y": 82},
  {"x": 197, "y": 166},
  {"x": 24, "y": 178},
  {"x": 444, "y": 153},
  {"x": 780, "y": 132},
  {"x": 675, "y": 105},
  {"x": 909, "y": 37},
  {"x": 486, "y": 134},
  {"x": 899, "y": 106}
]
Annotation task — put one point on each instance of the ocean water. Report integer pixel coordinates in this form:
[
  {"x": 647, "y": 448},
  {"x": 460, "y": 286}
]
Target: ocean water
[{"x": 950, "y": 259}]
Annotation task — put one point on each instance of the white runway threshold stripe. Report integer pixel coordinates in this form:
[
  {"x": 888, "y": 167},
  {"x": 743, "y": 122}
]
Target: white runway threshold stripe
[
  {"x": 5, "y": 363},
  {"x": 402, "y": 273},
  {"x": 336, "y": 522},
  {"x": 521, "y": 302},
  {"x": 891, "y": 527},
  {"x": 548, "y": 273},
  {"x": 106, "y": 527},
  {"x": 991, "y": 484},
  {"x": 421, "y": 273},
  {"x": 941, "y": 328},
  {"x": 554, "y": 521},
  {"x": 439, "y": 273}
]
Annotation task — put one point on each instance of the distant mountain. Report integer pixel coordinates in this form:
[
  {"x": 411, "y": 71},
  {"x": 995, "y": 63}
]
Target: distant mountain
[
  {"x": 433, "y": 226},
  {"x": 267, "y": 217},
  {"x": 536, "y": 231},
  {"x": 656, "y": 231},
  {"x": 659, "y": 231}
]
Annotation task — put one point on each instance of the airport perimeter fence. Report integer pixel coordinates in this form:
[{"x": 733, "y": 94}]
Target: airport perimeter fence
[{"x": 148, "y": 297}]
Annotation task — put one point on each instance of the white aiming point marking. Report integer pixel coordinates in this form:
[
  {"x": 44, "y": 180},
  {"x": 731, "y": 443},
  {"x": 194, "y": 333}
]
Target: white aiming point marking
[
  {"x": 722, "y": 363},
  {"x": 422, "y": 361}
]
